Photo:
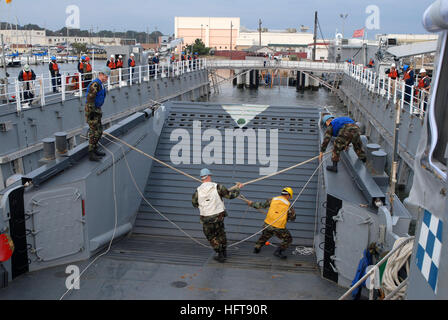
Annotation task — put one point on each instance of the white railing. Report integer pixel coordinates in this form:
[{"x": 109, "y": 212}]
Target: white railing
[
  {"x": 278, "y": 64},
  {"x": 410, "y": 98},
  {"x": 46, "y": 89}
]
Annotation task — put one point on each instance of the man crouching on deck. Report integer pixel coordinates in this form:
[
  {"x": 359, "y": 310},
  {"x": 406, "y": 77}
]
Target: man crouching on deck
[{"x": 208, "y": 197}]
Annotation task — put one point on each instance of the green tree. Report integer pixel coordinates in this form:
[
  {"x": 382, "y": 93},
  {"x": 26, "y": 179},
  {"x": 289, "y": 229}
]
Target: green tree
[
  {"x": 79, "y": 47},
  {"x": 199, "y": 47}
]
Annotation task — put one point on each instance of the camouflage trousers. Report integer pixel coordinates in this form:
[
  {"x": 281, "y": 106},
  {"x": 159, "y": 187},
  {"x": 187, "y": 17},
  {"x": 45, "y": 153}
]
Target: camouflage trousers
[
  {"x": 270, "y": 231},
  {"x": 93, "y": 119},
  {"x": 214, "y": 231},
  {"x": 348, "y": 134}
]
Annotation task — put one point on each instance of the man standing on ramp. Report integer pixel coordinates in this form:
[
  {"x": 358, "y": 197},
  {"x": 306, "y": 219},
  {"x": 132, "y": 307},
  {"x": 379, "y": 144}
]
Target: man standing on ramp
[
  {"x": 275, "y": 223},
  {"x": 208, "y": 198}
]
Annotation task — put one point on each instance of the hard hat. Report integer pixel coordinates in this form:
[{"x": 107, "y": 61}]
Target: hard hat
[
  {"x": 112, "y": 56},
  {"x": 105, "y": 71},
  {"x": 26, "y": 67},
  {"x": 120, "y": 56},
  {"x": 195, "y": 53},
  {"x": 83, "y": 57},
  {"x": 205, "y": 172},
  {"x": 87, "y": 59},
  {"x": 53, "y": 58},
  {"x": 325, "y": 118},
  {"x": 287, "y": 190},
  {"x": 393, "y": 65},
  {"x": 132, "y": 54},
  {"x": 422, "y": 70},
  {"x": 405, "y": 67}
]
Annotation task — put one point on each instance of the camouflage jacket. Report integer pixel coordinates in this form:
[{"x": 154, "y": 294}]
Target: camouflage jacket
[
  {"x": 327, "y": 138},
  {"x": 267, "y": 204},
  {"x": 223, "y": 193}
]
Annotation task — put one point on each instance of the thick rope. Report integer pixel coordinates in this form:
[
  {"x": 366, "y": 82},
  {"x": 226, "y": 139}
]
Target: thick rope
[
  {"x": 115, "y": 225},
  {"x": 198, "y": 180},
  {"x": 242, "y": 198},
  {"x": 291, "y": 205},
  {"x": 153, "y": 158}
]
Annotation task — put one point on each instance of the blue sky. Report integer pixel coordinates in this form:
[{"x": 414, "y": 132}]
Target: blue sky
[{"x": 396, "y": 16}]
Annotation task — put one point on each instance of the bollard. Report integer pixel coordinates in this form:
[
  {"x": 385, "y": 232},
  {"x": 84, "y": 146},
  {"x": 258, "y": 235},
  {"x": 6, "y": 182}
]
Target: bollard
[
  {"x": 371, "y": 147},
  {"x": 61, "y": 143},
  {"x": 48, "y": 149},
  {"x": 378, "y": 161}
]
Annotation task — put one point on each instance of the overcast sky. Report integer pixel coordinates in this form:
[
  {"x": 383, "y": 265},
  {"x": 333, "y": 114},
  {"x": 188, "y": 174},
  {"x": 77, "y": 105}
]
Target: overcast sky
[{"x": 396, "y": 16}]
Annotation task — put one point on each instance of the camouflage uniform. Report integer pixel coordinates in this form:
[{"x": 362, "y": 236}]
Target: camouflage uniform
[
  {"x": 270, "y": 231},
  {"x": 349, "y": 133},
  {"x": 93, "y": 117},
  {"x": 213, "y": 226}
]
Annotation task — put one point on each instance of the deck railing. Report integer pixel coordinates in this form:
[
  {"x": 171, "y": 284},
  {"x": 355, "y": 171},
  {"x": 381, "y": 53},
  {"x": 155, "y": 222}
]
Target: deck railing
[
  {"x": 68, "y": 85},
  {"x": 413, "y": 100}
]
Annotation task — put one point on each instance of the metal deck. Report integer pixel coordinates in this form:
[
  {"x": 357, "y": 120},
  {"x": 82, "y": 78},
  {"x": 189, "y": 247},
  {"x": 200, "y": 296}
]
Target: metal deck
[{"x": 171, "y": 192}]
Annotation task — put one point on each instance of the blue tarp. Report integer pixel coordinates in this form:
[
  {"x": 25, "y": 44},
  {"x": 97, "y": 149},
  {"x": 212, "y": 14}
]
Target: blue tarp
[{"x": 365, "y": 261}]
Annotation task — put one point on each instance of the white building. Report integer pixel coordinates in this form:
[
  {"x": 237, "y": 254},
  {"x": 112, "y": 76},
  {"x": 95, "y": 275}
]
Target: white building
[{"x": 216, "y": 33}]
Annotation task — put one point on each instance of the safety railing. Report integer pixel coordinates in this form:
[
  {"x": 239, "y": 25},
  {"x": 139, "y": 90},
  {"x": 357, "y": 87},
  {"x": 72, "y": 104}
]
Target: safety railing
[
  {"x": 411, "y": 98},
  {"x": 46, "y": 88},
  {"x": 278, "y": 64}
]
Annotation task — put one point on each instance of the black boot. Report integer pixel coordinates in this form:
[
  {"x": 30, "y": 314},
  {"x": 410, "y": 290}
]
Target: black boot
[
  {"x": 93, "y": 156},
  {"x": 224, "y": 253},
  {"x": 220, "y": 257},
  {"x": 257, "y": 250},
  {"x": 363, "y": 160},
  {"x": 279, "y": 253},
  {"x": 99, "y": 153},
  {"x": 334, "y": 167}
]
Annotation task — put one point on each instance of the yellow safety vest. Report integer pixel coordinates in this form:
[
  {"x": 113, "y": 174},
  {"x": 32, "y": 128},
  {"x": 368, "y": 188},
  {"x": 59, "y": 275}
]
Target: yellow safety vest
[{"x": 278, "y": 213}]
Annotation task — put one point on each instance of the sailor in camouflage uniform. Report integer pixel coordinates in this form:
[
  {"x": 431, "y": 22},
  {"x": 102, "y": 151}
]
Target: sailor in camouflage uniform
[
  {"x": 96, "y": 94},
  {"x": 279, "y": 213},
  {"x": 208, "y": 198},
  {"x": 346, "y": 131}
]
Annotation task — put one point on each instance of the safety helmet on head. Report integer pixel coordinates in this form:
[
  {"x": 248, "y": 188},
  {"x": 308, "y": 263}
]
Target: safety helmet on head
[
  {"x": 325, "y": 119},
  {"x": 53, "y": 58},
  {"x": 205, "y": 172},
  {"x": 393, "y": 65},
  {"x": 422, "y": 70},
  {"x": 132, "y": 54},
  {"x": 405, "y": 67},
  {"x": 287, "y": 191},
  {"x": 105, "y": 71},
  {"x": 112, "y": 56},
  {"x": 83, "y": 57},
  {"x": 87, "y": 59},
  {"x": 26, "y": 67},
  {"x": 120, "y": 56}
]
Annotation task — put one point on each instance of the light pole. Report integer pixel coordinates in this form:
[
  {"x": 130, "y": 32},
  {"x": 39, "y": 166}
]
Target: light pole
[{"x": 343, "y": 17}]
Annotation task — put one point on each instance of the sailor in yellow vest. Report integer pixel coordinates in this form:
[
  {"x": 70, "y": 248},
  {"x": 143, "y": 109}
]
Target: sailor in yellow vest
[{"x": 275, "y": 223}]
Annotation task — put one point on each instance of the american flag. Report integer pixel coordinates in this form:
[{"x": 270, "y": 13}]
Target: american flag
[{"x": 358, "y": 33}]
